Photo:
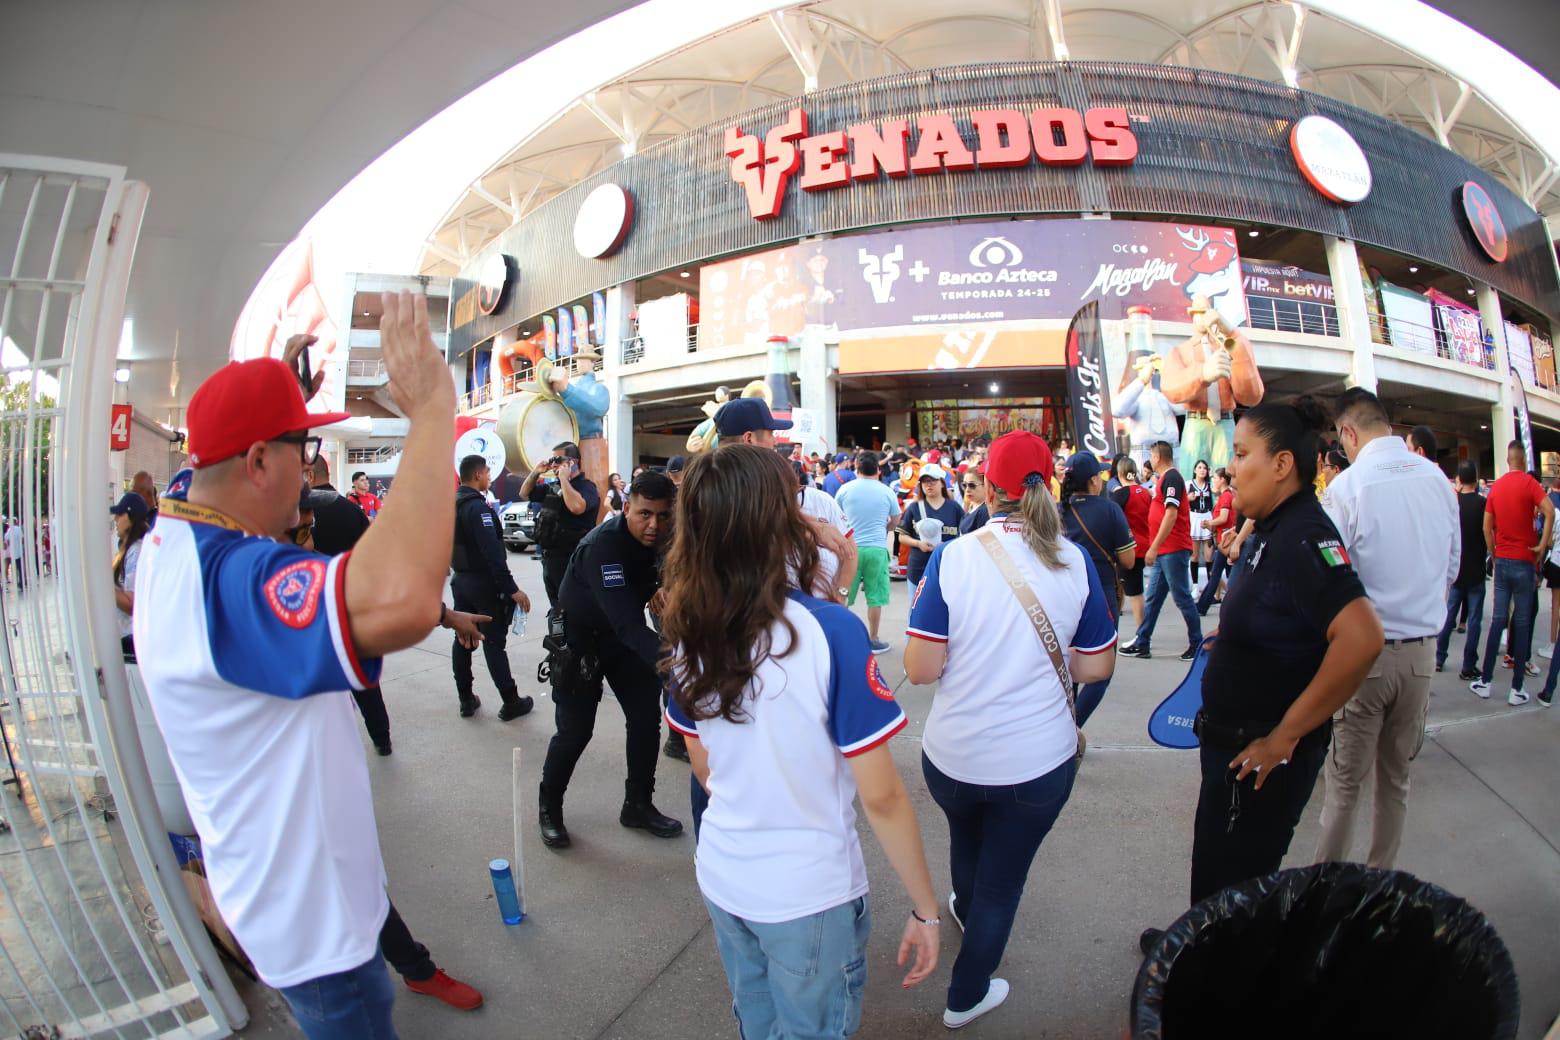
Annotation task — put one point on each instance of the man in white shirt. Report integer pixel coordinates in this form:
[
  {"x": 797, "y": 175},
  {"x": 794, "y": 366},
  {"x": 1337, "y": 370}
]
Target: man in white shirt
[
  {"x": 249, "y": 647},
  {"x": 13, "y": 553},
  {"x": 1397, "y": 517}
]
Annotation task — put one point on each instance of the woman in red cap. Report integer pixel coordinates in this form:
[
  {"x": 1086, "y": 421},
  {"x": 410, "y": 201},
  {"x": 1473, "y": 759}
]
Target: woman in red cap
[{"x": 1000, "y": 744}]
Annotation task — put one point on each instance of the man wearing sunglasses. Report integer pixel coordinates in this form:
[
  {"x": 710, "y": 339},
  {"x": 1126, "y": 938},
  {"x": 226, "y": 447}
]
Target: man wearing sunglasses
[{"x": 251, "y": 646}]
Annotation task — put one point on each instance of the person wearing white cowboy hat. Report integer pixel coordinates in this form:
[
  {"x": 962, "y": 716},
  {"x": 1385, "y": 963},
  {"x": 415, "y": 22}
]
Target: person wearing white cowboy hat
[{"x": 583, "y": 395}]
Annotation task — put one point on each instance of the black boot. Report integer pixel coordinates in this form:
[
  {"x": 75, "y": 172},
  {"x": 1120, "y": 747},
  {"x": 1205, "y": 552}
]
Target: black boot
[
  {"x": 469, "y": 705},
  {"x": 638, "y": 812},
  {"x": 515, "y": 707},
  {"x": 676, "y": 746},
  {"x": 550, "y": 818}
]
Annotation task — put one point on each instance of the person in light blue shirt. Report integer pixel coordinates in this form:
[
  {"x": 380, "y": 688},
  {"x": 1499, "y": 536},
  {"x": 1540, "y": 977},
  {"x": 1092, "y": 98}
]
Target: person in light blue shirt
[{"x": 871, "y": 507}]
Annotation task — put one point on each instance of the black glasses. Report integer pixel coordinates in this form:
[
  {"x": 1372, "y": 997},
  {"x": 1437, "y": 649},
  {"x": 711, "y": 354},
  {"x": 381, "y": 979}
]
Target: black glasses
[
  {"x": 311, "y": 446},
  {"x": 971, "y": 484}
]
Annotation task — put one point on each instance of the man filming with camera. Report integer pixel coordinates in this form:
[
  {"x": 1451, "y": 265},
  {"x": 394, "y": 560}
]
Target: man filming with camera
[{"x": 570, "y": 503}]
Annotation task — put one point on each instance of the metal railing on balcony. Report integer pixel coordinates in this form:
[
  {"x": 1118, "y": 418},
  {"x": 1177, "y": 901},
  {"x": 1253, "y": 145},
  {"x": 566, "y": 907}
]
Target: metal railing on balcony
[
  {"x": 363, "y": 369},
  {"x": 1317, "y": 319},
  {"x": 633, "y": 350},
  {"x": 383, "y": 453}
]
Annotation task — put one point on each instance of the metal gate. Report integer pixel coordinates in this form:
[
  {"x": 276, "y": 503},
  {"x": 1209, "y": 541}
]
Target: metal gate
[{"x": 98, "y": 936}]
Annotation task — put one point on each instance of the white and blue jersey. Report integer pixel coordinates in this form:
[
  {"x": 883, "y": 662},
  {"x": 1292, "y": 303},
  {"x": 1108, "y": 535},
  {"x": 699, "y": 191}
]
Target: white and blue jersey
[
  {"x": 778, "y": 841},
  {"x": 1000, "y": 714},
  {"x": 248, "y": 662}
]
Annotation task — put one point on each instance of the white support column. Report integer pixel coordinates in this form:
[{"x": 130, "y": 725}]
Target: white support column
[
  {"x": 619, "y": 422},
  {"x": 1343, "y": 264},
  {"x": 820, "y": 391},
  {"x": 896, "y": 427},
  {"x": 1503, "y": 425}
]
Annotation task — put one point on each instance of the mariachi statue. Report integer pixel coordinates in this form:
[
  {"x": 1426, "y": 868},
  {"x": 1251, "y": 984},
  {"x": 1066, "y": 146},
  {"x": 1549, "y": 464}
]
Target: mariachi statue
[
  {"x": 704, "y": 436},
  {"x": 1139, "y": 400},
  {"x": 1209, "y": 374},
  {"x": 554, "y": 408}
]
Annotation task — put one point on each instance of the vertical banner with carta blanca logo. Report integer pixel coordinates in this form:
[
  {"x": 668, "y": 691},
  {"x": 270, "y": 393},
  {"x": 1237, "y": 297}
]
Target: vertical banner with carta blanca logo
[
  {"x": 1519, "y": 411},
  {"x": 1088, "y": 389}
]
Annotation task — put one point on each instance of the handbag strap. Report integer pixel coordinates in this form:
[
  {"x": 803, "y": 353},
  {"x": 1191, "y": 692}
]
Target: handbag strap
[
  {"x": 1114, "y": 568},
  {"x": 1032, "y": 610}
]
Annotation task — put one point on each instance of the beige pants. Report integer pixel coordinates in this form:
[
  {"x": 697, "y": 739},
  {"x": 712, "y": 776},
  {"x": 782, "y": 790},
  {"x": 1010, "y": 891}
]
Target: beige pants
[{"x": 1382, "y": 726}]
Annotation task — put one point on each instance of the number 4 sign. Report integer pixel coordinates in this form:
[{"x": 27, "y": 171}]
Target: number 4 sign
[{"x": 119, "y": 428}]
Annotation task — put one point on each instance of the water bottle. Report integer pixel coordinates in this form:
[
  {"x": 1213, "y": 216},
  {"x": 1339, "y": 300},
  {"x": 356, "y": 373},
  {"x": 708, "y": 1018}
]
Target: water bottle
[
  {"x": 504, "y": 889},
  {"x": 517, "y": 625}
]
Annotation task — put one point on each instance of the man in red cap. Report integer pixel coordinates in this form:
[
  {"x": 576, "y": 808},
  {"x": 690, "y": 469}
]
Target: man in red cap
[{"x": 250, "y": 648}]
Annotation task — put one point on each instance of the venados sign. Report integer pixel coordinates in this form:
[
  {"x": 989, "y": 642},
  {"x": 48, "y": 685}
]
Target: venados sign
[{"x": 1005, "y": 137}]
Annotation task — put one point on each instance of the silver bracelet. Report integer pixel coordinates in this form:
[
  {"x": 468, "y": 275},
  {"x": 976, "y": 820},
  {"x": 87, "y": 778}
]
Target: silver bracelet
[{"x": 933, "y": 921}]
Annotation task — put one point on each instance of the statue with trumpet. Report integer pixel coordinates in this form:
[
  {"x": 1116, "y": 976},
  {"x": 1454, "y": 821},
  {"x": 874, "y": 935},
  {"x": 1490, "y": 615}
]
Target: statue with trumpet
[{"x": 1209, "y": 374}]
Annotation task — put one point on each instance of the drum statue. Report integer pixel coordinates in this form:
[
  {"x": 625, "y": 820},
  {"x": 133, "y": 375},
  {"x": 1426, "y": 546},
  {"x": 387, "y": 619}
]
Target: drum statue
[{"x": 556, "y": 408}]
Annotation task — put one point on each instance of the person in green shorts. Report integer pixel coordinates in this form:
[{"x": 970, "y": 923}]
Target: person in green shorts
[{"x": 873, "y": 510}]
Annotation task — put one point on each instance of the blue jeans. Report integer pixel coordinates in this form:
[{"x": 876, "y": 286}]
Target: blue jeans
[
  {"x": 1516, "y": 586},
  {"x": 349, "y": 1005},
  {"x": 994, "y": 833},
  {"x": 801, "y": 978},
  {"x": 698, "y": 801},
  {"x": 1457, "y": 598},
  {"x": 1216, "y": 568},
  {"x": 1171, "y": 576}
]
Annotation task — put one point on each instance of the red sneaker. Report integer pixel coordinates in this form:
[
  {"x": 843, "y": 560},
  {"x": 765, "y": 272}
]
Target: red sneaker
[{"x": 452, "y": 991}]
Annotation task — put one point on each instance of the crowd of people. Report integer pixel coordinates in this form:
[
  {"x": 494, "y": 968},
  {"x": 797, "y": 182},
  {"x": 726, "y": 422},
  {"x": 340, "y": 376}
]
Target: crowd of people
[{"x": 717, "y": 594}]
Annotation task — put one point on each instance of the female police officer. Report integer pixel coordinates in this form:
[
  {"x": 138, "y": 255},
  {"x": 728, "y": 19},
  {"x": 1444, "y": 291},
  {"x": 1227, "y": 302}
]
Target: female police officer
[{"x": 1297, "y": 636}]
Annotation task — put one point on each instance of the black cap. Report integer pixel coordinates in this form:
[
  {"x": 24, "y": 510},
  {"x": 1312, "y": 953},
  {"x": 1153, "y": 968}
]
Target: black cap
[
  {"x": 130, "y": 504},
  {"x": 675, "y": 464}
]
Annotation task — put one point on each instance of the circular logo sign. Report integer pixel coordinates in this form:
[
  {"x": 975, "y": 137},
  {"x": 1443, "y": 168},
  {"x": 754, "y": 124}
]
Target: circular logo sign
[
  {"x": 484, "y": 441},
  {"x": 603, "y": 221},
  {"x": 1485, "y": 221},
  {"x": 1330, "y": 159},
  {"x": 493, "y": 282}
]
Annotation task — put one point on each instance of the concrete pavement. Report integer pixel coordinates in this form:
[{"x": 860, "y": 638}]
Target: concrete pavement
[{"x": 617, "y": 943}]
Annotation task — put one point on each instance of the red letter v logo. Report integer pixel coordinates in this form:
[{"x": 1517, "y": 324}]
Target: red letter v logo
[{"x": 763, "y": 167}]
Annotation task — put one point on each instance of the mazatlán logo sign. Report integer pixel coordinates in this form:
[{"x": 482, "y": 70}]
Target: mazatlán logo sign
[{"x": 1005, "y": 137}]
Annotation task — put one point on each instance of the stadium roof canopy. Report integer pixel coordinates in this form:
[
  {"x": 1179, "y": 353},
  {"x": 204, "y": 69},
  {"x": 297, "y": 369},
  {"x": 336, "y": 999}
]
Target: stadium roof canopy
[{"x": 1431, "y": 80}]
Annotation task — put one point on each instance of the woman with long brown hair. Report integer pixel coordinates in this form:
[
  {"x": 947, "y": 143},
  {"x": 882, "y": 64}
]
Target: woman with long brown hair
[{"x": 791, "y": 718}]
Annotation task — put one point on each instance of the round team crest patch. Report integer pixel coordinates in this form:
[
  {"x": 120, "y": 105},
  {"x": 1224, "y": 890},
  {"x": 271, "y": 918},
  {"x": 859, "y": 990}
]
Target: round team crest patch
[
  {"x": 876, "y": 682},
  {"x": 294, "y": 592}
]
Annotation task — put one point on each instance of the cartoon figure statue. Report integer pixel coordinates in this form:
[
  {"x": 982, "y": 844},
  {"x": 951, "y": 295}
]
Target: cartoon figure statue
[
  {"x": 1209, "y": 374},
  {"x": 704, "y": 436},
  {"x": 583, "y": 395},
  {"x": 1139, "y": 400}
]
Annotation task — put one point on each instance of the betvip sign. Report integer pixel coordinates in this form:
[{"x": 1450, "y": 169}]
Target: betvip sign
[{"x": 1002, "y": 137}]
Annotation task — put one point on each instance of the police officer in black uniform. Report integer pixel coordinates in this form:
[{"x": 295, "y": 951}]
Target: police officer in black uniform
[
  {"x": 483, "y": 585},
  {"x": 1297, "y": 635},
  {"x": 600, "y": 611},
  {"x": 570, "y": 503}
]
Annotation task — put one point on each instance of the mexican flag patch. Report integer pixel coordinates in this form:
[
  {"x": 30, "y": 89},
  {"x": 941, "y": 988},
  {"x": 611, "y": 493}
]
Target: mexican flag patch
[{"x": 1333, "y": 553}]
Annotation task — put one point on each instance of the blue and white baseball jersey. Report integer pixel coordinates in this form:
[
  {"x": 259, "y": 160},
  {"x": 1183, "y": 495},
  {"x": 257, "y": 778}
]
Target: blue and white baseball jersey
[
  {"x": 1000, "y": 715},
  {"x": 249, "y": 663},
  {"x": 778, "y": 840}
]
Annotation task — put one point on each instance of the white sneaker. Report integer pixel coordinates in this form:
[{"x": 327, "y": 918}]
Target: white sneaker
[
  {"x": 996, "y": 993},
  {"x": 954, "y": 913},
  {"x": 1516, "y": 697},
  {"x": 1531, "y": 669},
  {"x": 1548, "y": 652},
  {"x": 1480, "y": 687}
]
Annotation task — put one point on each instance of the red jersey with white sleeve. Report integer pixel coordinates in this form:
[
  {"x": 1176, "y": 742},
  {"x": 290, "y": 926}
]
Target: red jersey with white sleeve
[
  {"x": 1171, "y": 491},
  {"x": 248, "y": 661},
  {"x": 370, "y": 504}
]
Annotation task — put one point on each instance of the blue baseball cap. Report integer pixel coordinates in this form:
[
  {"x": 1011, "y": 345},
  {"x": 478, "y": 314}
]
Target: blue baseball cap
[
  {"x": 746, "y": 414},
  {"x": 1083, "y": 465},
  {"x": 130, "y": 504},
  {"x": 841, "y": 457}
]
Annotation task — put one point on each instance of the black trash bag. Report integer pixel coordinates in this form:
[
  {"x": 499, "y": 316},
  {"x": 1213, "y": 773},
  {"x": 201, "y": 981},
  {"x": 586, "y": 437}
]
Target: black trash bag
[{"x": 1331, "y": 950}]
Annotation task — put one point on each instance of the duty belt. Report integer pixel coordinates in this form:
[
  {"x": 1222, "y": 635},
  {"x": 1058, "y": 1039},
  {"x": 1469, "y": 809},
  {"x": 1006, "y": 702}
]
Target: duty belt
[{"x": 1237, "y": 735}]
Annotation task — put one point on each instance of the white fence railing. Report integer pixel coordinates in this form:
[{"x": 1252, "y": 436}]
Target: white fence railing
[{"x": 97, "y": 933}]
